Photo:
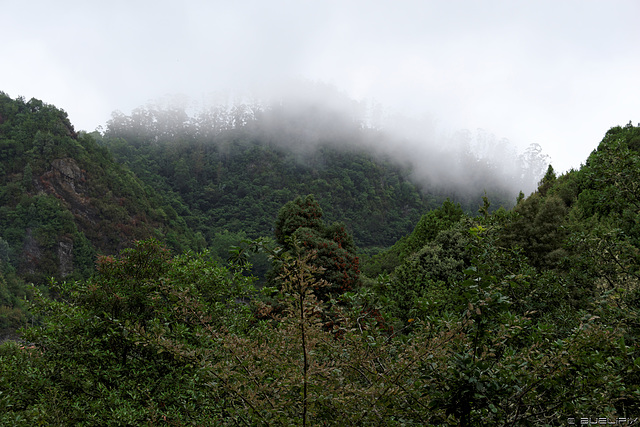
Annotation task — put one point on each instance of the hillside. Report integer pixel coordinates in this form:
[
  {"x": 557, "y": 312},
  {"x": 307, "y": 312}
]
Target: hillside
[
  {"x": 210, "y": 180},
  {"x": 234, "y": 167},
  {"x": 527, "y": 316},
  {"x": 63, "y": 198}
]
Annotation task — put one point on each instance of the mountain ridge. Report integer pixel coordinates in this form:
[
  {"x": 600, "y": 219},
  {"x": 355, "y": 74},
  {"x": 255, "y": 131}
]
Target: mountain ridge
[{"x": 67, "y": 196}]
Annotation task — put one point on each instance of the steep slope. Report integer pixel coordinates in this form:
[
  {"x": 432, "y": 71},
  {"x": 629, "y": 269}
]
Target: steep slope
[{"x": 63, "y": 198}]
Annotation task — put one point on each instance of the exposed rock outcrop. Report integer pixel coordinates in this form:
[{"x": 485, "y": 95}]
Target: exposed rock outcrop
[
  {"x": 32, "y": 252},
  {"x": 65, "y": 256},
  {"x": 68, "y": 171}
]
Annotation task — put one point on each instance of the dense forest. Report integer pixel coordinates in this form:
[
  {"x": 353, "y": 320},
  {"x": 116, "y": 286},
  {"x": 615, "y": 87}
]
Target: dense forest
[
  {"x": 234, "y": 166},
  {"x": 215, "y": 270}
]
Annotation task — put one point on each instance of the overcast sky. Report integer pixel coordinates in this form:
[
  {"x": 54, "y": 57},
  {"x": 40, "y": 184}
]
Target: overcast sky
[{"x": 557, "y": 73}]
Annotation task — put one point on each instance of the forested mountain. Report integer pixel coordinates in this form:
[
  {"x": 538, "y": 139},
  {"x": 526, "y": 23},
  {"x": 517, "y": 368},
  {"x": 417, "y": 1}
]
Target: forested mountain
[
  {"x": 234, "y": 166},
  {"x": 206, "y": 180},
  {"x": 237, "y": 183},
  {"x": 63, "y": 198},
  {"x": 522, "y": 316}
]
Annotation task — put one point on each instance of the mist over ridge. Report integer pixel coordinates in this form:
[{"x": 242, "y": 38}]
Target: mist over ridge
[{"x": 305, "y": 116}]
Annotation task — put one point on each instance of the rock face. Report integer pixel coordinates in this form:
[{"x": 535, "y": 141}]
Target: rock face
[
  {"x": 68, "y": 172},
  {"x": 66, "y": 181},
  {"x": 64, "y": 197},
  {"x": 32, "y": 253},
  {"x": 105, "y": 219},
  {"x": 65, "y": 256}
]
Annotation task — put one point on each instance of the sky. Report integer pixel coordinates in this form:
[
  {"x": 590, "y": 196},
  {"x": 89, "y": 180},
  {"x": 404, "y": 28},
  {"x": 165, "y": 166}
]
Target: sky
[{"x": 557, "y": 73}]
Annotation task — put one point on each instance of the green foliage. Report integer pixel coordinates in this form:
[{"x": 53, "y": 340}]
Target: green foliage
[
  {"x": 125, "y": 348},
  {"x": 63, "y": 198},
  {"x": 610, "y": 180},
  {"x": 547, "y": 181},
  {"x": 422, "y": 285},
  {"x": 539, "y": 229},
  {"x": 300, "y": 227},
  {"x": 510, "y": 356},
  {"x": 429, "y": 226},
  {"x": 13, "y": 310},
  {"x": 226, "y": 246},
  {"x": 236, "y": 174},
  {"x": 521, "y": 317},
  {"x": 493, "y": 340},
  {"x": 300, "y": 213}
]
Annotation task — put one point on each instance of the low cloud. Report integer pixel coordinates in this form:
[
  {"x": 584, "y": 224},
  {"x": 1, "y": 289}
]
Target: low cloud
[{"x": 306, "y": 115}]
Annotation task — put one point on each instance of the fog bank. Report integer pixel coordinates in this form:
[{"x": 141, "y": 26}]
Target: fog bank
[{"x": 307, "y": 115}]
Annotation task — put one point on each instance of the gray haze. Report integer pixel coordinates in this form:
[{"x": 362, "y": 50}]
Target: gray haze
[
  {"x": 554, "y": 73},
  {"x": 463, "y": 164}
]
